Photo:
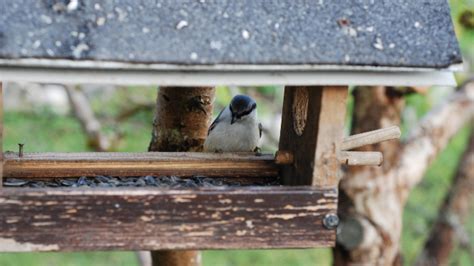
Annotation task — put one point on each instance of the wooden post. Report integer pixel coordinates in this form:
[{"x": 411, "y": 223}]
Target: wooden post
[
  {"x": 180, "y": 124},
  {"x": 312, "y": 130}
]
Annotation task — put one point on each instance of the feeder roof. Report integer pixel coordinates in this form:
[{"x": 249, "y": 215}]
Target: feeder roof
[{"x": 246, "y": 38}]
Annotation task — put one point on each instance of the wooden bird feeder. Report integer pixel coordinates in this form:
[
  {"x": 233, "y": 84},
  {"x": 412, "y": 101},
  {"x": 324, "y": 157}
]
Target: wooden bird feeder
[{"x": 314, "y": 48}]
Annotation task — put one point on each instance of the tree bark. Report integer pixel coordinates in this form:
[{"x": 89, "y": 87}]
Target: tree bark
[
  {"x": 181, "y": 119},
  {"x": 181, "y": 123},
  {"x": 374, "y": 108},
  {"x": 371, "y": 198},
  {"x": 448, "y": 227}
]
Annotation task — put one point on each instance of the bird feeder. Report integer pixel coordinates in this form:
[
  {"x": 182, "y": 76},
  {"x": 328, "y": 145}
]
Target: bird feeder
[{"x": 314, "y": 48}]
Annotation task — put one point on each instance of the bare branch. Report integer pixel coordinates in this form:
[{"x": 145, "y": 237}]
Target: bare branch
[
  {"x": 449, "y": 225},
  {"x": 84, "y": 113},
  {"x": 433, "y": 134}
]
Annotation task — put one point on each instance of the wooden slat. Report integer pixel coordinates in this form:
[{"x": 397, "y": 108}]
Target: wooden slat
[
  {"x": 47, "y": 165},
  {"x": 330, "y": 136},
  {"x": 146, "y": 218},
  {"x": 312, "y": 130}
]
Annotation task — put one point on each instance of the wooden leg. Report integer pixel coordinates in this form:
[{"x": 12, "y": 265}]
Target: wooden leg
[{"x": 312, "y": 130}]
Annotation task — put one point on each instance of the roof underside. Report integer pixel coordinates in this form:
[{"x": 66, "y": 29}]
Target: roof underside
[{"x": 393, "y": 34}]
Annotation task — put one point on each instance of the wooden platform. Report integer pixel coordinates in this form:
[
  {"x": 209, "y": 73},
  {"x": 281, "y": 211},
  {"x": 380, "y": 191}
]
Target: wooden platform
[{"x": 155, "y": 219}]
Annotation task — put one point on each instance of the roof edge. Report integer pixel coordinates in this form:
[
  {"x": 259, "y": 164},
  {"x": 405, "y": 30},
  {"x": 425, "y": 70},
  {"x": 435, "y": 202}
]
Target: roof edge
[{"x": 111, "y": 65}]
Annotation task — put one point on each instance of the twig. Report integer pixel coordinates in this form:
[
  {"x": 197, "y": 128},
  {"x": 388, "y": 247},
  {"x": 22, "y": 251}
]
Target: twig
[{"x": 84, "y": 113}]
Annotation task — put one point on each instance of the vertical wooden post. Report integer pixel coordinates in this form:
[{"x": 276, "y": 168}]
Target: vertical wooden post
[
  {"x": 1, "y": 135},
  {"x": 312, "y": 130},
  {"x": 181, "y": 122}
]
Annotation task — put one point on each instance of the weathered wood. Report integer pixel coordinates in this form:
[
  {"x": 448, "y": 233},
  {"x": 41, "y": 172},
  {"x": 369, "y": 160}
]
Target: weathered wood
[
  {"x": 371, "y": 137},
  {"x": 173, "y": 258},
  {"x": 157, "y": 219},
  {"x": 181, "y": 124},
  {"x": 47, "y": 165},
  {"x": 182, "y": 118},
  {"x": 355, "y": 158},
  {"x": 1, "y": 134},
  {"x": 312, "y": 130}
]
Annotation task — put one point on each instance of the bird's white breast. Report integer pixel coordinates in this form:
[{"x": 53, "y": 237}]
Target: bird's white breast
[{"x": 242, "y": 136}]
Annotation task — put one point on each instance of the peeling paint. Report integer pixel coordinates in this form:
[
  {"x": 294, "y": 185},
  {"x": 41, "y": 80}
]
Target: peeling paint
[{"x": 11, "y": 245}]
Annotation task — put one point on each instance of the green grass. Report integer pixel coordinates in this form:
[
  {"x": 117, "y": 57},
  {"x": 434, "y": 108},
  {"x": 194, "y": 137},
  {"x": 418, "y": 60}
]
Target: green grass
[{"x": 69, "y": 259}]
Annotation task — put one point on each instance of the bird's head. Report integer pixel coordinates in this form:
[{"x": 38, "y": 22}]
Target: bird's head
[{"x": 242, "y": 107}]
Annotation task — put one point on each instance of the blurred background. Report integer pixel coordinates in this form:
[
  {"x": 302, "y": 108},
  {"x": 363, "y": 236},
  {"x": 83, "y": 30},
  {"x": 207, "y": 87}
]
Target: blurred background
[{"x": 123, "y": 117}]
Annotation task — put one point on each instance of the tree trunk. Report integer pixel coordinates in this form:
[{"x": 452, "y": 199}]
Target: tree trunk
[
  {"x": 448, "y": 227},
  {"x": 374, "y": 108},
  {"x": 181, "y": 119},
  {"x": 181, "y": 122},
  {"x": 372, "y": 199}
]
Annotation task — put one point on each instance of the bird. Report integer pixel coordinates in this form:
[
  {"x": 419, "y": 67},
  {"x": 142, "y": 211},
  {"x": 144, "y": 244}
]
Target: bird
[{"x": 236, "y": 128}]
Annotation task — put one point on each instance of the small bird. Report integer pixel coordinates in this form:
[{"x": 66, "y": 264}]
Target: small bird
[{"x": 236, "y": 128}]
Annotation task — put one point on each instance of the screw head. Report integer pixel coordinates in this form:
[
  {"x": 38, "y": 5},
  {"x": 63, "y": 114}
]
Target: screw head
[{"x": 331, "y": 221}]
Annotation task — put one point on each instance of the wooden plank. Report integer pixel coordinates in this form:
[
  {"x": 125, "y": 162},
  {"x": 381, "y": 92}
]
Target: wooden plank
[
  {"x": 47, "y": 165},
  {"x": 312, "y": 130},
  {"x": 146, "y": 218},
  {"x": 330, "y": 135}
]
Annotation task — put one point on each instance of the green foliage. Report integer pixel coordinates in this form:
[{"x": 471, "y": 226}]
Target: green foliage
[{"x": 69, "y": 259}]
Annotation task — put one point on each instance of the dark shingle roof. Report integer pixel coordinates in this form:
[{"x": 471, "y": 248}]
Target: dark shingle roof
[{"x": 393, "y": 33}]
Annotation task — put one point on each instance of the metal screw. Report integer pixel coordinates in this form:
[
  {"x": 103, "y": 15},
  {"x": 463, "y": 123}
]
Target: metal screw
[
  {"x": 20, "y": 149},
  {"x": 331, "y": 221}
]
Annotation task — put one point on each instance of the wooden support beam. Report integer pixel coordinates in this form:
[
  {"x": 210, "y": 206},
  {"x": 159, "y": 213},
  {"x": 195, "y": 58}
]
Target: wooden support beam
[
  {"x": 147, "y": 218},
  {"x": 312, "y": 130},
  {"x": 371, "y": 137},
  {"x": 50, "y": 165}
]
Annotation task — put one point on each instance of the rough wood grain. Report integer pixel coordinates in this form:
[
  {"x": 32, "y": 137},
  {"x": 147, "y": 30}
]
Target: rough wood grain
[
  {"x": 157, "y": 219},
  {"x": 371, "y": 137},
  {"x": 47, "y": 165},
  {"x": 182, "y": 118},
  {"x": 312, "y": 130}
]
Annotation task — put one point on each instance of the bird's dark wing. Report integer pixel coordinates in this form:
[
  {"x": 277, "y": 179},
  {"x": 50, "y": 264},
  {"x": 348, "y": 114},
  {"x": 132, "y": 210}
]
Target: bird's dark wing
[
  {"x": 214, "y": 123},
  {"x": 260, "y": 129}
]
